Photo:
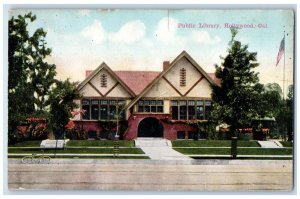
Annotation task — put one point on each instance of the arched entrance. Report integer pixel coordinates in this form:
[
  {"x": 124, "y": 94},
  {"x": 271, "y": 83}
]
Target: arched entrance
[{"x": 150, "y": 127}]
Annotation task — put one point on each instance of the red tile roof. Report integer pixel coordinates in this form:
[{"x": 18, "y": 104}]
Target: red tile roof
[{"x": 137, "y": 80}]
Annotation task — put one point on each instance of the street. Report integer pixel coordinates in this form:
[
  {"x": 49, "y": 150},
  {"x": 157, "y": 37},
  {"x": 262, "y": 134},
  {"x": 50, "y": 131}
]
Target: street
[{"x": 264, "y": 176}]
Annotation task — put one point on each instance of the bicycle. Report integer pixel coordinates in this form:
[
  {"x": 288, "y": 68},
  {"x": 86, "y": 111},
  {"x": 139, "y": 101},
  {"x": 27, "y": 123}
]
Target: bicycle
[{"x": 36, "y": 159}]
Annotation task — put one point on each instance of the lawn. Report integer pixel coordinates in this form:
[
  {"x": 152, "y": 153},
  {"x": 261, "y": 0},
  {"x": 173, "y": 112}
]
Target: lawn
[
  {"x": 78, "y": 150},
  {"x": 286, "y": 144},
  {"x": 241, "y": 151},
  {"x": 99, "y": 143},
  {"x": 212, "y": 143},
  {"x": 90, "y": 157},
  {"x": 79, "y": 143},
  {"x": 35, "y": 143}
]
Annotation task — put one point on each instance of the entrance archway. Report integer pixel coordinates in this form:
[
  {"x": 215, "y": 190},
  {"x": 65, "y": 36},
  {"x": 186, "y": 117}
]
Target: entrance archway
[{"x": 150, "y": 127}]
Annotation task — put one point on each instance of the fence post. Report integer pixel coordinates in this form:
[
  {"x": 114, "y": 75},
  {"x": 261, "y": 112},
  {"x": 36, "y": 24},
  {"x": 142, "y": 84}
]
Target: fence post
[
  {"x": 116, "y": 146},
  {"x": 234, "y": 147}
]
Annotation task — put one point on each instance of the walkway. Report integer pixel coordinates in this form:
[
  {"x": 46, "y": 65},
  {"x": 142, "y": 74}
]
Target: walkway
[
  {"x": 269, "y": 144},
  {"x": 159, "y": 149}
]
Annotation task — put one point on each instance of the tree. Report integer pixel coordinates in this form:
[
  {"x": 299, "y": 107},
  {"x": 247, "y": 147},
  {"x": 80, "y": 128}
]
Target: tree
[
  {"x": 62, "y": 103},
  {"x": 30, "y": 77},
  {"x": 270, "y": 101},
  {"x": 235, "y": 100},
  {"x": 290, "y": 112}
]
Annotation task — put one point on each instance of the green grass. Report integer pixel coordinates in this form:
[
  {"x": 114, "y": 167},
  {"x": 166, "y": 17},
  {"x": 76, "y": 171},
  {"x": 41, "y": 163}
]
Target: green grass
[
  {"x": 78, "y": 143},
  {"x": 241, "y": 151},
  {"x": 286, "y": 144},
  {"x": 90, "y": 157},
  {"x": 99, "y": 143},
  {"x": 78, "y": 150},
  {"x": 212, "y": 143},
  {"x": 27, "y": 144}
]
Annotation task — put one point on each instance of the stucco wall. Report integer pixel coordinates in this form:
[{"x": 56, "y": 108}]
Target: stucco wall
[
  {"x": 161, "y": 89},
  {"x": 170, "y": 129},
  {"x": 118, "y": 91},
  {"x": 202, "y": 89},
  {"x": 111, "y": 81},
  {"x": 192, "y": 75},
  {"x": 89, "y": 91}
]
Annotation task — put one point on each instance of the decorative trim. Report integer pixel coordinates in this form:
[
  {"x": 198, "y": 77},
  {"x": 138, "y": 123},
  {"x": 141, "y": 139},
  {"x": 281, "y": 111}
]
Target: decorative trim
[
  {"x": 94, "y": 87},
  {"x": 172, "y": 86},
  {"x": 97, "y": 70},
  {"x": 181, "y": 55},
  {"x": 194, "y": 86}
]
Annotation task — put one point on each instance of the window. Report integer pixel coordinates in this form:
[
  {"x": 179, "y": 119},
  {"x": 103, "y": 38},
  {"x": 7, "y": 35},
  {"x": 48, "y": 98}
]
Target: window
[
  {"x": 86, "y": 107},
  {"x": 200, "y": 110},
  {"x": 103, "y": 80},
  {"x": 112, "y": 112},
  {"x": 182, "y": 110},
  {"x": 103, "y": 109},
  {"x": 190, "y": 110},
  {"x": 151, "y": 106},
  {"x": 182, "y": 77},
  {"x": 175, "y": 112},
  {"x": 207, "y": 109},
  {"x": 191, "y": 135},
  {"x": 180, "y": 135},
  {"x": 95, "y": 109},
  {"x": 122, "y": 114},
  {"x": 103, "y": 112}
]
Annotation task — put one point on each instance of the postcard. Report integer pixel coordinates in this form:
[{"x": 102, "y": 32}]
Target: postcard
[{"x": 151, "y": 99}]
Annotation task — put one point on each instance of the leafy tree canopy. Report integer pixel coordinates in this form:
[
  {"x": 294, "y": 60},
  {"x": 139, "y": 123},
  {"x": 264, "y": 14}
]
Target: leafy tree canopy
[{"x": 235, "y": 100}]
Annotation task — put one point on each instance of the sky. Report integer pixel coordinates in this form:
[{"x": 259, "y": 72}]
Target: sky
[{"x": 141, "y": 39}]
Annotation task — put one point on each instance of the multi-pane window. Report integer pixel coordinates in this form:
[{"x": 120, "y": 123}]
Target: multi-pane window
[
  {"x": 103, "y": 109},
  {"x": 207, "y": 109},
  {"x": 95, "y": 109},
  {"x": 182, "y": 77},
  {"x": 86, "y": 108},
  {"x": 190, "y": 109},
  {"x": 200, "y": 110},
  {"x": 103, "y": 80},
  {"x": 182, "y": 110},
  {"x": 154, "y": 106}
]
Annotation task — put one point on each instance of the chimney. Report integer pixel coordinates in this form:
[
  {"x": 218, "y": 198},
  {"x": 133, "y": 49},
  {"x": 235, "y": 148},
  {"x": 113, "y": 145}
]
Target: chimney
[
  {"x": 166, "y": 65},
  {"x": 87, "y": 73}
]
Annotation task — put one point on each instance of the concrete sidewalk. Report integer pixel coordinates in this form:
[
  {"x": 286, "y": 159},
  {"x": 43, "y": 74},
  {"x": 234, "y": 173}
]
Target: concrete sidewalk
[
  {"x": 142, "y": 176},
  {"x": 159, "y": 149}
]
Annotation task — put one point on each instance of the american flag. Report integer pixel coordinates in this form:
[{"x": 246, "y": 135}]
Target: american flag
[{"x": 280, "y": 52}]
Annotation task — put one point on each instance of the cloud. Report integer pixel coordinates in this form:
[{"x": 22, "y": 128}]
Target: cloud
[
  {"x": 166, "y": 29},
  {"x": 204, "y": 37},
  {"x": 129, "y": 33},
  {"x": 95, "y": 32}
]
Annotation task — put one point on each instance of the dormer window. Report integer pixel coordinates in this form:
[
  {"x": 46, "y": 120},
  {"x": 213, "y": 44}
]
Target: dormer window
[
  {"x": 103, "y": 80},
  {"x": 182, "y": 77}
]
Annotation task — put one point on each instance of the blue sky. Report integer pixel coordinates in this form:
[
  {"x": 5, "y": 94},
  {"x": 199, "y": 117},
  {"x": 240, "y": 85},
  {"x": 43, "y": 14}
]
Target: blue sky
[{"x": 143, "y": 39}]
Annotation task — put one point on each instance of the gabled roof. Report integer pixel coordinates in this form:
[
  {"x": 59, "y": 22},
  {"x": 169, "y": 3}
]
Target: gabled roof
[
  {"x": 137, "y": 81},
  {"x": 181, "y": 55},
  {"x": 97, "y": 70}
]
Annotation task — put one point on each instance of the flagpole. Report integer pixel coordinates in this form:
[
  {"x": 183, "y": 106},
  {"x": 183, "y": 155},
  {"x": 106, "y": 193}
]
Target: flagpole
[{"x": 283, "y": 66}]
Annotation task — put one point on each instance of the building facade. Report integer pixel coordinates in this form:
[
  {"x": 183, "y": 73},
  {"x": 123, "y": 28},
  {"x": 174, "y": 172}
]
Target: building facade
[{"x": 150, "y": 103}]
